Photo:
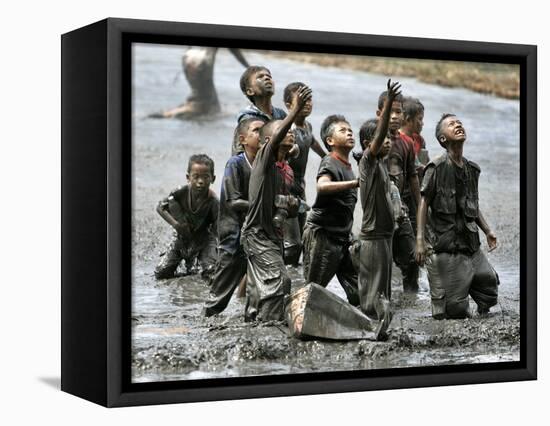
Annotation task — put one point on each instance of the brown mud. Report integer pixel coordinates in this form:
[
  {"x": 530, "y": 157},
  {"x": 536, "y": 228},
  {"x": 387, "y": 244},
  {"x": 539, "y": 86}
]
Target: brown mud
[{"x": 171, "y": 340}]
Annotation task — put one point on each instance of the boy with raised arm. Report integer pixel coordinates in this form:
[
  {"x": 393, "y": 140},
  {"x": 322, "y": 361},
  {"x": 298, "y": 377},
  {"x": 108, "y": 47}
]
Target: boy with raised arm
[
  {"x": 402, "y": 170},
  {"x": 305, "y": 141},
  {"x": 192, "y": 211},
  {"x": 327, "y": 235},
  {"x": 231, "y": 264},
  {"x": 456, "y": 265},
  {"x": 262, "y": 233},
  {"x": 377, "y": 226}
]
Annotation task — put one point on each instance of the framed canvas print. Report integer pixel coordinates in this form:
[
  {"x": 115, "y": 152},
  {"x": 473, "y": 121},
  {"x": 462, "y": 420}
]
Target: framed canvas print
[{"x": 253, "y": 212}]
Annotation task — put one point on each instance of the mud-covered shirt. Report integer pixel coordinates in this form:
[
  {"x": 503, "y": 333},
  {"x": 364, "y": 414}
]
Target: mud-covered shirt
[
  {"x": 303, "y": 137},
  {"x": 378, "y": 221},
  {"x": 200, "y": 218},
  {"x": 334, "y": 212},
  {"x": 401, "y": 163},
  {"x": 268, "y": 178},
  {"x": 234, "y": 187},
  {"x": 453, "y": 206}
]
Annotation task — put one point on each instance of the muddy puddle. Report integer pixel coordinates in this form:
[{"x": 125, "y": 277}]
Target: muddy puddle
[{"x": 171, "y": 340}]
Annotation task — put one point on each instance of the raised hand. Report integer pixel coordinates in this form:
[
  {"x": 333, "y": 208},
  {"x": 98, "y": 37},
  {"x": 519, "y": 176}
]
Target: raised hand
[
  {"x": 394, "y": 89},
  {"x": 491, "y": 241},
  {"x": 301, "y": 96}
]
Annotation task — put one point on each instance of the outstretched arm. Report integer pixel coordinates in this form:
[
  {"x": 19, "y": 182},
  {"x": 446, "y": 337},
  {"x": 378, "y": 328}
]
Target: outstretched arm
[
  {"x": 239, "y": 56},
  {"x": 491, "y": 237},
  {"x": 394, "y": 89},
  {"x": 325, "y": 185}
]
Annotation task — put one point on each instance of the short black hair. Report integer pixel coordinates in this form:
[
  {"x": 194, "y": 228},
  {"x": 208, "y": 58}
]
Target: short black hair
[
  {"x": 243, "y": 125},
  {"x": 289, "y": 91},
  {"x": 411, "y": 107},
  {"x": 327, "y": 128},
  {"x": 384, "y": 95},
  {"x": 245, "y": 78},
  {"x": 439, "y": 130},
  {"x": 367, "y": 131},
  {"x": 267, "y": 129},
  {"x": 201, "y": 159}
]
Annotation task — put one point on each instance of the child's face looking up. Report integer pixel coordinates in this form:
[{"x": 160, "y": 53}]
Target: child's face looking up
[
  {"x": 200, "y": 178},
  {"x": 261, "y": 84},
  {"x": 252, "y": 136},
  {"x": 342, "y": 136}
]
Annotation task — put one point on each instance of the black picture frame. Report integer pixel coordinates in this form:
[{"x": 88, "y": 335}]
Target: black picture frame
[{"x": 96, "y": 153}]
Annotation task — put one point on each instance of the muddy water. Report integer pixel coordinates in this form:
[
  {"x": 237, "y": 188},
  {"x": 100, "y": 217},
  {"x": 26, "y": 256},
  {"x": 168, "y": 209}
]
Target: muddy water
[{"x": 170, "y": 338}]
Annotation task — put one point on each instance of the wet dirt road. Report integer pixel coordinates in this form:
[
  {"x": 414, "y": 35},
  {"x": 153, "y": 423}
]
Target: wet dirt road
[{"x": 170, "y": 338}]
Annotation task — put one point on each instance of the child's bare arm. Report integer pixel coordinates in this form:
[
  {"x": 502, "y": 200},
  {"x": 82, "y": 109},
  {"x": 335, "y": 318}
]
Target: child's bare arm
[
  {"x": 383, "y": 123},
  {"x": 316, "y": 147},
  {"x": 420, "y": 252},
  {"x": 240, "y": 57},
  {"x": 491, "y": 237},
  {"x": 414, "y": 183},
  {"x": 325, "y": 185},
  {"x": 180, "y": 228},
  {"x": 302, "y": 95}
]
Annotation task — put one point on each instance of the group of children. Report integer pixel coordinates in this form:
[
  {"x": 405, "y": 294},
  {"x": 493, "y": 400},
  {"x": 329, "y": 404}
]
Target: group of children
[{"x": 261, "y": 222}]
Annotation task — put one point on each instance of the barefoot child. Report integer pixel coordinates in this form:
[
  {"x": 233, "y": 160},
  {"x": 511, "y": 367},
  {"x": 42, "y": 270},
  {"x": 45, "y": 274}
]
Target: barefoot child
[{"x": 192, "y": 211}]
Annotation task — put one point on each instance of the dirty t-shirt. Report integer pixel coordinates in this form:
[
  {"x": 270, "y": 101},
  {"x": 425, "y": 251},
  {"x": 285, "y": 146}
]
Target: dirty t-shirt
[
  {"x": 303, "y": 137},
  {"x": 458, "y": 238},
  {"x": 267, "y": 179},
  {"x": 334, "y": 212},
  {"x": 401, "y": 163},
  {"x": 234, "y": 187},
  {"x": 378, "y": 221},
  {"x": 201, "y": 218}
]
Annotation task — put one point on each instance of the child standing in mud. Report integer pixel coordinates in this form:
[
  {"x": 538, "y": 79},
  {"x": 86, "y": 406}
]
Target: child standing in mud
[
  {"x": 402, "y": 170},
  {"x": 231, "y": 264},
  {"x": 377, "y": 226},
  {"x": 192, "y": 211},
  {"x": 305, "y": 141},
  {"x": 456, "y": 265},
  {"x": 258, "y": 86},
  {"x": 262, "y": 233},
  {"x": 411, "y": 127},
  {"x": 327, "y": 235}
]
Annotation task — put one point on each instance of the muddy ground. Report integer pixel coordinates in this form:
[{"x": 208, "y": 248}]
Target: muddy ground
[{"x": 171, "y": 340}]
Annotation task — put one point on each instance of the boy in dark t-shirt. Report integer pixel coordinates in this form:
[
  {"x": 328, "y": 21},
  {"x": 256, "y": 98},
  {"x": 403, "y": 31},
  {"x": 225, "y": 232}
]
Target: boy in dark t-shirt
[
  {"x": 305, "y": 141},
  {"x": 402, "y": 170},
  {"x": 327, "y": 235},
  {"x": 231, "y": 264},
  {"x": 262, "y": 233},
  {"x": 457, "y": 267},
  {"x": 377, "y": 226},
  {"x": 192, "y": 211}
]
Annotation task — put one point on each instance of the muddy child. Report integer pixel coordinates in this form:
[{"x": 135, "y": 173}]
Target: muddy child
[
  {"x": 258, "y": 86},
  {"x": 192, "y": 211},
  {"x": 456, "y": 265},
  {"x": 305, "y": 141},
  {"x": 269, "y": 202},
  {"x": 402, "y": 170},
  {"x": 410, "y": 132},
  {"x": 231, "y": 264},
  {"x": 378, "y": 224},
  {"x": 327, "y": 235}
]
